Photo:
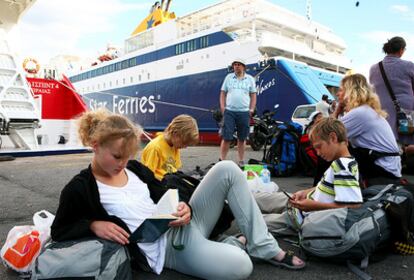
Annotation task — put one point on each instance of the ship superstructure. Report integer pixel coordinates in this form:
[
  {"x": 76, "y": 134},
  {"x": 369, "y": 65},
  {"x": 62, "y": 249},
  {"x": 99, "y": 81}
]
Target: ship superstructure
[{"x": 177, "y": 65}]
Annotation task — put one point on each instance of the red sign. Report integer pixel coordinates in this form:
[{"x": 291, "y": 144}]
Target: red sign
[{"x": 59, "y": 99}]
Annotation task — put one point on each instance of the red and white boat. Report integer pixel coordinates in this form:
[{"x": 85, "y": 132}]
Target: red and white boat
[{"x": 37, "y": 112}]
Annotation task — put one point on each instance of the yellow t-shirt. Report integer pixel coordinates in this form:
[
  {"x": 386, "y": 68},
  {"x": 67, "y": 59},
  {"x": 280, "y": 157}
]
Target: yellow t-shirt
[{"x": 160, "y": 157}]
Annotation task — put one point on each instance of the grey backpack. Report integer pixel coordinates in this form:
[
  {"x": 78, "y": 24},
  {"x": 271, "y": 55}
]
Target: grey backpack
[
  {"x": 348, "y": 235},
  {"x": 83, "y": 259}
]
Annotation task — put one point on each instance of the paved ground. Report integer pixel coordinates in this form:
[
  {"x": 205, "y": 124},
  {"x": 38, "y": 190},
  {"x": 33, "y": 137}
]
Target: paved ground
[{"x": 28, "y": 185}]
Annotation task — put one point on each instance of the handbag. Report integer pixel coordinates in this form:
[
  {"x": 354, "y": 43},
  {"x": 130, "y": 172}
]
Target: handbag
[{"x": 405, "y": 125}]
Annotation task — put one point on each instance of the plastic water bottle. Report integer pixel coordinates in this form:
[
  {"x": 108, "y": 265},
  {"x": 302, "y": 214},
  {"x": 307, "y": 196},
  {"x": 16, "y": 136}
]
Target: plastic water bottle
[{"x": 265, "y": 175}]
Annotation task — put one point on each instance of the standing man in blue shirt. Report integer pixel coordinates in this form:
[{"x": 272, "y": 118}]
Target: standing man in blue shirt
[{"x": 237, "y": 103}]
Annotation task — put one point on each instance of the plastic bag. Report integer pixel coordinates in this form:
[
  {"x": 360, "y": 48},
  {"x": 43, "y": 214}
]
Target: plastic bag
[
  {"x": 256, "y": 184},
  {"x": 24, "y": 243}
]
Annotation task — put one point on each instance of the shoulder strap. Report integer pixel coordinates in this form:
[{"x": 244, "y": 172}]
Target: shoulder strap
[
  {"x": 381, "y": 193},
  {"x": 358, "y": 270},
  {"x": 388, "y": 85}
]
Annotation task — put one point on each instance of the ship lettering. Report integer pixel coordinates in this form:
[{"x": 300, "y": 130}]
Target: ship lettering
[
  {"x": 263, "y": 87},
  {"x": 133, "y": 105},
  {"x": 94, "y": 105},
  {"x": 42, "y": 87},
  {"x": 41, "y": 91}
]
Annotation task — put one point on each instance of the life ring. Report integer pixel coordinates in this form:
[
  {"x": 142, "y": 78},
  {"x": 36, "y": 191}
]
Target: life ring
[{"x": 31, "y": 66}]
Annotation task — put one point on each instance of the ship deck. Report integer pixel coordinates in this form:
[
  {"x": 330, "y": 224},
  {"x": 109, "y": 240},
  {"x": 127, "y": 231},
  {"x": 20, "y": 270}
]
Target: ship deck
[{"x": 31, "y": 184}]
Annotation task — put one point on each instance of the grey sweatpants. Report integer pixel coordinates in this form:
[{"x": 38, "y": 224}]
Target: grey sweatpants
[
  {"x": 208, "y": 259},
  {"x": 273, "y": 207}
]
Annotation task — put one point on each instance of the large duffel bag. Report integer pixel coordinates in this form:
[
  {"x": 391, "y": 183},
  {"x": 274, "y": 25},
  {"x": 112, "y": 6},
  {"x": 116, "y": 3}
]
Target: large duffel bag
[{"x": 83, "y": 259}]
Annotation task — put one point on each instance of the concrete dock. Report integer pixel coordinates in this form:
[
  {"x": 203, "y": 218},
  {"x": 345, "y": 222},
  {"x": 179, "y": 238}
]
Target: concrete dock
[{"x": 31, "y": 184}]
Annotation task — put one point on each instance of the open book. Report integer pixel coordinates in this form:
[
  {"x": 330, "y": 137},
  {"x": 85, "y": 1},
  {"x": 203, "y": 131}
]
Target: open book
[{"x": 152, "y": 228}]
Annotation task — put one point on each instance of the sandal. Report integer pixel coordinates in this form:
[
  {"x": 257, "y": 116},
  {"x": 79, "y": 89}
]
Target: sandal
[{"x": 287, "y": 262}]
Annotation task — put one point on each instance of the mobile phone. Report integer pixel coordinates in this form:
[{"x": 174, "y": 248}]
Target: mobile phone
[{"x": 286, "y": 193}]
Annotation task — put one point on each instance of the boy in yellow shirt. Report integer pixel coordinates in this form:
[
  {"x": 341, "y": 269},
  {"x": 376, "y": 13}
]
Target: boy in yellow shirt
[{"x": 162, "y": 154}]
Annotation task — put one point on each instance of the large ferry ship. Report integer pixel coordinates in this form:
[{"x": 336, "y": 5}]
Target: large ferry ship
[{"x": 173, "y": 65}]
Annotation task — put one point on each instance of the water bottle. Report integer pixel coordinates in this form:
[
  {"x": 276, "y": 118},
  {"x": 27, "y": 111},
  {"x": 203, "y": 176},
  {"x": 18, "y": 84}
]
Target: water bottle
[{"x": 265, "y": 175}]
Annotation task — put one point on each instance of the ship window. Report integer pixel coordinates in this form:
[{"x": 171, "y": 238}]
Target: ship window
[
  {"x": 133, "y": 62},
  {"x": 149, "y": 76},
  {"x": 123, "y": 81},
  {"x": 131, "y": 79},
  {"x": 98, "y": 86},
  {"x": 116, "y": 82},
  {"x": 124, "y": 64},
  {"x": 118, "y": 66},
  {"x": 110, "y": 83},
  {"x": 139, "y": 78},
  {"x": 111, "y": 68},
  {"x": 103, "y": 85}
]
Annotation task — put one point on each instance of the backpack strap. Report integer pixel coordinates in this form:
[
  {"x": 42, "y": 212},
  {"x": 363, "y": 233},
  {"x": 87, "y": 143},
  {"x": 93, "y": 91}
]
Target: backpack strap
[
  {"x": 358, "y": 270},
  {"x": 381, "y": 193}
]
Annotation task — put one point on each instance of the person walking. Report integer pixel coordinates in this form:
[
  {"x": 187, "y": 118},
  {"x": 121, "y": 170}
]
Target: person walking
[
  {"x": 400, "y": 74},
  {"x": 237, "y": 103}
]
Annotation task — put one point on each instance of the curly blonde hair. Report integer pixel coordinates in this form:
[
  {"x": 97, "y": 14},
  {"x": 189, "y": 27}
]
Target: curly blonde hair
[
  {"x": 103, "y": 127},
  {"x": 358, "y": 92},
  {"x": 185, "y": 127}
]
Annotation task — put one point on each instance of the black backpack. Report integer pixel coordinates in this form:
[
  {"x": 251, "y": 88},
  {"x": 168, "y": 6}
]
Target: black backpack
[{"x": 399, "y": 209}]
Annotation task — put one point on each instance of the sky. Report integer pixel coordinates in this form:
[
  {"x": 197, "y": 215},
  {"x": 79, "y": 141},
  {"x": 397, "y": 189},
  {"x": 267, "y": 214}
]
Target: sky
[{"x": 85, "y": 27}]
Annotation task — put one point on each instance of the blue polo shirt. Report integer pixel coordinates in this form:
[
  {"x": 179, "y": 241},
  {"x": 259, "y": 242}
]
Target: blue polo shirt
[{"x": 238, "y": 92}]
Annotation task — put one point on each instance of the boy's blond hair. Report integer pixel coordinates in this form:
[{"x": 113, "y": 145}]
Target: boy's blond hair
[
  {"x": 102, "y": 127},
  {"x": 325, "y": 126},
  {"x": 185, "y": 127}
]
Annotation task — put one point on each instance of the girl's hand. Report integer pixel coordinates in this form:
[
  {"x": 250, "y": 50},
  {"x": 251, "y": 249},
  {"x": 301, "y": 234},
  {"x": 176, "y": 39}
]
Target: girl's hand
[
  {"x": 110, "y": 231},
  {"x": 184, "y": 215}
]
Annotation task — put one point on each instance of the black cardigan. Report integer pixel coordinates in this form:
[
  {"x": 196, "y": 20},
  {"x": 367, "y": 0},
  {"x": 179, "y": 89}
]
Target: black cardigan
[{"x": 80, "y": 205}]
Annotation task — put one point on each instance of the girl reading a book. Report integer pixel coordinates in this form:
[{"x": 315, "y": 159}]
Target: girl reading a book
[{"x": 114, "y": 195}]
